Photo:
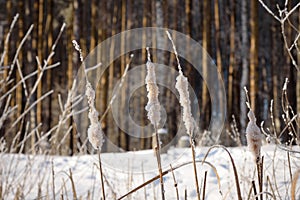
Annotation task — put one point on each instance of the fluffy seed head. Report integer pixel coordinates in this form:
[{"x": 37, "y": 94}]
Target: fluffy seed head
[
  {"x": 95, "y": 133},
  {"x": 254, "y": 136},
  {"x": 153, "y": 105},
  {"x": 184, "y": 100}
]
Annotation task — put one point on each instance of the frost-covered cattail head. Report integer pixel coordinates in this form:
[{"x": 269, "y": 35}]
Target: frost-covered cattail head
[
  {"x": 153, "y": 105},
  {"x": 254, "y": 136},
  {"x": 95, "y": 133},
  {"x": 184, "y": 100},
  {"x": 184, "y": 96}
]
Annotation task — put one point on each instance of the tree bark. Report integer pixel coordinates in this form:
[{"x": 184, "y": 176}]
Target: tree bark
[
  {"x": 245, "y": 71},
  {"x": 231, "y": 60},
  {"x": 205, "y": 60},
  {"x": 253, "y": 53}
]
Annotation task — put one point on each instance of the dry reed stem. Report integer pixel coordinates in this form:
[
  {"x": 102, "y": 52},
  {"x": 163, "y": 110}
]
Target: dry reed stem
[
  {"x": 28, "y": 105},
  {"x": 18, "y": 51},
  {"x": 254, "y": 190},
  {"x": 204, "y": 185},
  {"x": 143, "y": 175},
  {"x": 175, "y": 182},
  {"x": 272, "y": 190},
  {"x": 8, "y": 37},
  {"x": 290, "y": 167},
  {"x": 237, "y": 183},
  {"x": 158, "y": 159},
  {"x": 259, "y": 166},
  {"x": 195, "y": 168},
  {"x": 274, "y": 173},
  {"x": 73, "y": 184},
  {"x": 53, "y": 180},
  {"x": 169, "y": 170},
  {"x": 101, "y": 174}
]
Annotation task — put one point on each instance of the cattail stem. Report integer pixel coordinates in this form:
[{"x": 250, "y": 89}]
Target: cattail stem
[
  {"x": 53, "y": 181},
  {"x": 289, "y": 164},
  {"x": 157, "y": 152},
  {"x": 259, "y": 166},
  {"x": 101, "y": 175},
  {"x": 254, "y": 190},
  {"x": 195, "y": 167},
  {"x": 175, "y": 182},
  {"x": 204, "y": 185},
  {"x": 167, "y": 171}
]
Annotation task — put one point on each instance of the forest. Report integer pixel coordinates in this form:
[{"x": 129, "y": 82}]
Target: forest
[{"x": 253, "y": 44}]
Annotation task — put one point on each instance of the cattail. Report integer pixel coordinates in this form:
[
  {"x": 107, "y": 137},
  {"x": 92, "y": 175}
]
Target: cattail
[
  {"x": 153, "y": 105},
  {"x": 184, "y": 100},
  {"x": 184, "y": 96},
  {"x": 254, "y": 136},
  {"x": 95, "y": 133}
]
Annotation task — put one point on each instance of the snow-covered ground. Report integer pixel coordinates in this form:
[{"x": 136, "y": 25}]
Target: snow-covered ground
[{"x": 125, "y": 171}]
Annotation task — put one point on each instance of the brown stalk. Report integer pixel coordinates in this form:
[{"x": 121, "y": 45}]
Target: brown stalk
[
  {"x": 169, "y": 170},
  {"x": 53, "y": 183},
  {"x": 195, "y": 168},
  {"x": 254, "y": 190},
  {"x": 101, "y": 175},
  {"x": 273, "y": 192},
  {"x": 73, "y": 185},
  {"x": 175, "y": 182},
  {"x": 290, "y": 167},
  {"x": 238, "y": 189},
  {"x": 204, "y": 185},
  {"x": 157, "y": 152},
  {"x": 259, "y": 166}
]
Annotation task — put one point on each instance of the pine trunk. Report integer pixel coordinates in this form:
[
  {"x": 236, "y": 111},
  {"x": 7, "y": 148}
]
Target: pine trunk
[
  {"x": 253, "y": 53},
  {"x": 245, "y": 70}
]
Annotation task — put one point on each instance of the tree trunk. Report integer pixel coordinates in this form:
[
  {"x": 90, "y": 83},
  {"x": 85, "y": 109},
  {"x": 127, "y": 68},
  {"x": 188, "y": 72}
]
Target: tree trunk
[
  {"x": 231, "y": 60},
  {"x": 253, "y": 53},
  {"x": 124, "y": 138},
  {"x": 111, "y": 131},
  {"x": 245, "y": 71},
  {"x": 205, "y": 60},
  {"x": 146, "y": 5},
  {"x": 40, "y": 56}
]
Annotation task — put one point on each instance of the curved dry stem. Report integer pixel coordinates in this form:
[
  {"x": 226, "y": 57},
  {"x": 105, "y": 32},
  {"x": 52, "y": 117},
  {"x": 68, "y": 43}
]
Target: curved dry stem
[
  {"x": 170, "y": 170},
  {"x": 238, "y": 189},
  {"x": 261, "y": 193}
]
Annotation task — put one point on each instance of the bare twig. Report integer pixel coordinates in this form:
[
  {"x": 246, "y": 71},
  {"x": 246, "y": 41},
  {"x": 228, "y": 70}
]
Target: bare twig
[{"x": 8, "y": 37}]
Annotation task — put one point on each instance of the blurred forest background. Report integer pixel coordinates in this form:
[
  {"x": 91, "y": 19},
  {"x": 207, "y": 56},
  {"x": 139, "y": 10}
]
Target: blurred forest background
[{"x": 243, "y": 39}]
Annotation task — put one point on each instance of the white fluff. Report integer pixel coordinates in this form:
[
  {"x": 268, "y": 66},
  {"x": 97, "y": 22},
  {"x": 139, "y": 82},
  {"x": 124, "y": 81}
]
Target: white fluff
[
  {"x": 153, "y": 105},
  {"x": 95, "y": 133},
  {"x": 184, "y": 99},
  {"x": 254, "y": 136}
]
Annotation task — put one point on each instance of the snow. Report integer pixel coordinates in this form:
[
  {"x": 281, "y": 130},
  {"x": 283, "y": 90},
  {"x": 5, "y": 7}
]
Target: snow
[{"x": 125, "y": 171}]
